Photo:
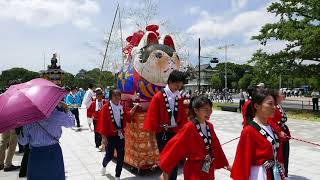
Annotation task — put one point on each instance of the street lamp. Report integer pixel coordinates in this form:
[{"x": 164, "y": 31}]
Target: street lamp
[
  {"x": 213, "y": 60},
  {"x": 225, "y": 47}
]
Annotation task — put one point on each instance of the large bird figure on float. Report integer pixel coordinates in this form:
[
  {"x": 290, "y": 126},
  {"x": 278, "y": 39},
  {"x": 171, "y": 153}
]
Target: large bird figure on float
[{"x": 149, "y": 61}]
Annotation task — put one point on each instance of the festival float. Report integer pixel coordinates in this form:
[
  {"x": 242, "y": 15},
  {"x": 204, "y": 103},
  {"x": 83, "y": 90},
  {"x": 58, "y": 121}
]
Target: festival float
[{"x": 150, "y": 58}]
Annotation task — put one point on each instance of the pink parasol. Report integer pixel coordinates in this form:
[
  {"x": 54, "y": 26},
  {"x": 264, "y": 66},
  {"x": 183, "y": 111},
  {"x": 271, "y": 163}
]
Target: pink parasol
[{"x": 28, "y": 102}]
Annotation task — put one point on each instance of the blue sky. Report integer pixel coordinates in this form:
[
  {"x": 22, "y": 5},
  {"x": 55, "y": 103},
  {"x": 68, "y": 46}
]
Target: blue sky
[{"x": 32, "y": 30}]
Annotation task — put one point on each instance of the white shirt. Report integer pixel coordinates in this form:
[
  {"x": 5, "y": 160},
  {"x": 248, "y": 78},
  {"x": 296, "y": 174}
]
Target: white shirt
[
  {"x": 268, "y": 129},
  {"x": 87, "y": 99},
  {"x": 315, "y": 94},
  {"x": 171, "y": 100},
  {"x": 116, "y": 109},
  {"x": 99, "y": 104},
  {"x": 259, "y": 172},
  {"x": 204, "y": 129}
]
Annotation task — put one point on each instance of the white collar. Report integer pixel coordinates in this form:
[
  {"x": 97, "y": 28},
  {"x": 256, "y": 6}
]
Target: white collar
[
  {"x": 170, "y": 93},
  {"x": 115, "y": 106}
]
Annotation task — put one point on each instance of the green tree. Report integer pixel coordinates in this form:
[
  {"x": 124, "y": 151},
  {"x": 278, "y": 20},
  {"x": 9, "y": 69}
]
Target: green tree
[
  {"x": 94, "y": 76},
  {"x": 299, "y": 25},
  {"x": 265, "y": 71},
  {"x": 234, "y": 72},
  {"x": 69, "y": 80},
  {"x": 216, "y": 82},
  {"x": 234, "y": 85},
  {"x": 314, "y": 83},
  {"x": 245, "y": 81},
  {"x": 16, "y": 74},
  {"x": 269, "y": 70},
  {"x": 81, "y": 79}
]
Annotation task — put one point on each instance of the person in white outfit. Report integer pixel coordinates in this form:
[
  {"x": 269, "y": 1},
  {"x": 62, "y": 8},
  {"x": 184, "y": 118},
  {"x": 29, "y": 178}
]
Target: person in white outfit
[{"x": 87, "y": 99}]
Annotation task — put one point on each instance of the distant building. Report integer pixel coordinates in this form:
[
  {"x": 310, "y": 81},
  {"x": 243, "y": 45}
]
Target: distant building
[{"x": 206, "y": 73}]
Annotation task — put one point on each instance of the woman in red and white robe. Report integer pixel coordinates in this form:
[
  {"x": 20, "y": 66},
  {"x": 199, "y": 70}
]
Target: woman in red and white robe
[
  {"x": 258, "y": 146},
  {"x": 196, "y": 142}
]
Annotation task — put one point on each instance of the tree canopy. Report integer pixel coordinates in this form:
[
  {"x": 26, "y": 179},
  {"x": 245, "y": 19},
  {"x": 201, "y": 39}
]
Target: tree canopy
[
  {"x": 94, "y": 76},
  {"x": 299, "y": 25},
  {"x": 20, "y": 74},
  {"x": 81, "y": 79}
]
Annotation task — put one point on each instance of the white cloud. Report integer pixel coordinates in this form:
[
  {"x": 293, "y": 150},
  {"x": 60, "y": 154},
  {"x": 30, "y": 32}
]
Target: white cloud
[
  {"x": 49, "y": 13},
  {"x": 241, "y": 54},
  {"x": 130, "y": 3},
  {"x": 248, "y": 34},
  {"x": 193, "y": 10},
  {"x": 238, "y": 53},
  {"x": 129, "y": 26},
  {"x": 82, "y": 23},
  {"x": 238, "y": 4},
  {"x": 237, "y": 29},
  {"x": 209, "y": 26}
]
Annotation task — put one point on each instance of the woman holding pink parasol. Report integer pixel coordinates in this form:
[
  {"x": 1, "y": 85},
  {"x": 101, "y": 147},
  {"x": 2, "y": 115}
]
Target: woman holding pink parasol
[{"x": 42, "y": 115}]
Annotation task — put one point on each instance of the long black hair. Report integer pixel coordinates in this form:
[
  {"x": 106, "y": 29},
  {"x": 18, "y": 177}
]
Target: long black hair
[
  {"x": 257, "y": 97},
  {"x": 198, "y": 102}
]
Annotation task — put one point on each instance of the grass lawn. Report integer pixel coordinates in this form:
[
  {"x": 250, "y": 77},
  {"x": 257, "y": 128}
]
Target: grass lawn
[
  {"x": 216, "y": 104},
  {"x": 292, "y": 114},
  {"x": 303, "y": 115}
]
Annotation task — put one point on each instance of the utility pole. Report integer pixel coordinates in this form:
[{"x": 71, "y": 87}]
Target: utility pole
[
  {"x": 105, "y": 52},
  {"x": 199, "y": 79},
  {"x": 122, "y": 56},
  {"x": 213, "y": 60},
  {"x": 280, "y": 81},
  {"x": 59, "y": 61},
  {"x": 44, "y": 61},
  {"x": 225, "y": 47}
]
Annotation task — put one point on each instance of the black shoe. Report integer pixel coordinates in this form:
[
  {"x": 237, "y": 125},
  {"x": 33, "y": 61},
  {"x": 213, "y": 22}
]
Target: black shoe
[
  {"x": 11, "y": 168},
  {"x": 22, "y": 174},
  {"x": 1, "y": 167}
]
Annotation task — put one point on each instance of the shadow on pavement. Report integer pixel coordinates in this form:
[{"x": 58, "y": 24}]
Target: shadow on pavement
[
  {"x": 143, "y": 173},
  {"x": 295, "y": 177}
]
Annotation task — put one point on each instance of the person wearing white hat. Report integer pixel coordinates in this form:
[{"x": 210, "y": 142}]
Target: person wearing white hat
[{"x": 260, "y": 86}]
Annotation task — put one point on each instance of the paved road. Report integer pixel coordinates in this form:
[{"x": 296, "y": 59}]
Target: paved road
[
  {"x": 82, "y": 162},
  {"x": 292, "y": 102}
]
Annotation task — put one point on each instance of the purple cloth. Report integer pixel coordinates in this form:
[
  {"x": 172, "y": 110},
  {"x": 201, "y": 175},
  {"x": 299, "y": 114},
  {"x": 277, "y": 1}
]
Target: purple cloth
[{"x": 35, "y": 136}]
